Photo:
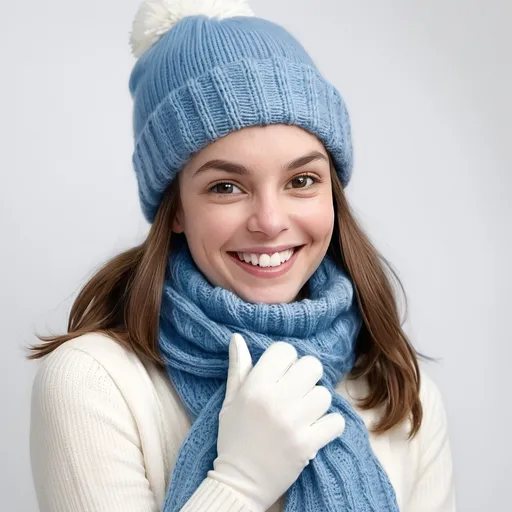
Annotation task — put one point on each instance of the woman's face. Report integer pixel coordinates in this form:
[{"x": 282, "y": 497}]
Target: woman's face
[{"x": 257, "y": 211}]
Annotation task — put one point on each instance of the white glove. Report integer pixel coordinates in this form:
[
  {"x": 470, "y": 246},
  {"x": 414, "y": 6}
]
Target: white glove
[{"x": 269, "y": 425}]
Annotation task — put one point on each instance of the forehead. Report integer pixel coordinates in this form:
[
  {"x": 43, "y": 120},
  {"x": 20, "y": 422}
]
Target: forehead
[{"x": 273, "y": 145}]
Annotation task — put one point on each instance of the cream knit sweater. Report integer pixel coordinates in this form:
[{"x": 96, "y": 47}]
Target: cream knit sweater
[{"x": 106, "y": 429}]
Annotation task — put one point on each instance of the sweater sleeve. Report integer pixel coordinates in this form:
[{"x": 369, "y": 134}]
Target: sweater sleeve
[
  {"x": 85, "y": 448},
  {"x": 434, "y": 489}
]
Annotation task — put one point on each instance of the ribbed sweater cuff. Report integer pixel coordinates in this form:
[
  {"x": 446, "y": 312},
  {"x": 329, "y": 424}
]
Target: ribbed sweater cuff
[{"x": 215, "y": 496}]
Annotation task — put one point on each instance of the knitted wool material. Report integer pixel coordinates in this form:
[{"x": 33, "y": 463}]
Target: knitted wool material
[
  {"x": 196, "y": 323},
  {"x": 207, "y": 77}
]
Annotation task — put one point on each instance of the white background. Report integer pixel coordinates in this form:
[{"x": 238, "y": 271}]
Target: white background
[{"x": 427, "y": 86}]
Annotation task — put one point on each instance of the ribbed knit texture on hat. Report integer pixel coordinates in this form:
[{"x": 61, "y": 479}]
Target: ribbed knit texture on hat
[
  {"x": 196, "y": 323},
  {"x": 207, "y": 77}
]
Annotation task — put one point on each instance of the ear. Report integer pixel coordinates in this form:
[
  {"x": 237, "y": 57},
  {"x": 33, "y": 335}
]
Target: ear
[{"x": 177, "y": 223}]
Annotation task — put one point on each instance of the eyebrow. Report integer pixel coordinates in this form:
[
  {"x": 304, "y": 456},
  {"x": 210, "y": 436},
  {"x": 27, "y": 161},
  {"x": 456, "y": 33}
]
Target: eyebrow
[{"x": 232, "y": 167}]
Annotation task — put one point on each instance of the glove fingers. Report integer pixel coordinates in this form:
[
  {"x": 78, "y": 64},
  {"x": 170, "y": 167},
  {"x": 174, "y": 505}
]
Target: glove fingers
[
  {"x": 300, "y": 379},
  {"x": 326, "y": 429},
  {"x": 312, "y": 407},
  {"x": 240, "y": 365},
  {"x": 273, "y": 364}
]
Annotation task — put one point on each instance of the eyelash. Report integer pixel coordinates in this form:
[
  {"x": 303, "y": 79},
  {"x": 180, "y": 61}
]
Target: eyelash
[{"x": 305, "y": 175}]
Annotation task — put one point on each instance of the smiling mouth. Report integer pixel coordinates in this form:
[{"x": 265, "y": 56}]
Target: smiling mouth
[{"x": 266, "y": 260}]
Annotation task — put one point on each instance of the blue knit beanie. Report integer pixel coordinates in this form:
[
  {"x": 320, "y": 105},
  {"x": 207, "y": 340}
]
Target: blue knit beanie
[{"x": 208, "y": 67}]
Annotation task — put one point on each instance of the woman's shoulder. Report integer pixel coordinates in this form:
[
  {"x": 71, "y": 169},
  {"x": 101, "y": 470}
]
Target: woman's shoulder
[
  {"x": 429, "y": 390},
  {"x": 94, "y": 401},
  {"x": 91, "y": 346},
  {"x": 434, "y": 414},
  {"x": 88, "y": 355},
  {"x": 89, "y": 368},
  {"x": 95, "y": 368},
  {"x": 434, "y": 420},
  {"x": 433, "y": 433}
]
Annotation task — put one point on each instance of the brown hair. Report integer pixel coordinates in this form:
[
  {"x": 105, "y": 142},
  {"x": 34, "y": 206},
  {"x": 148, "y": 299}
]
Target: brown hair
[{"x": 122, "y": 300}]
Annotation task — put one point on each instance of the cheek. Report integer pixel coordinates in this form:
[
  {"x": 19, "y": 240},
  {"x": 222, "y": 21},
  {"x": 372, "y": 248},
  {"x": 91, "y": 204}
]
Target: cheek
[
  {"x": 318, "y": 219},
  {"x": 213, "y": 225}
]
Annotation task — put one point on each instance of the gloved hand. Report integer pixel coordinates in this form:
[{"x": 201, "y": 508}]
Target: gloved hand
[{"x": 272, "y": 421}]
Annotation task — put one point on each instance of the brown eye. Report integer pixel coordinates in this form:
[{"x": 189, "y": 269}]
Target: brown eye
[
  {"x": 301, "y": 181},
  {"x": 224, "y": 188}
]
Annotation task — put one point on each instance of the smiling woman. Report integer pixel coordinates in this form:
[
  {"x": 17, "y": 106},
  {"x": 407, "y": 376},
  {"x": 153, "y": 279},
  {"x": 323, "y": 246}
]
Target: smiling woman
[
  {"x": 248, "y": 355},
  {"x": 260, "y": 213}
]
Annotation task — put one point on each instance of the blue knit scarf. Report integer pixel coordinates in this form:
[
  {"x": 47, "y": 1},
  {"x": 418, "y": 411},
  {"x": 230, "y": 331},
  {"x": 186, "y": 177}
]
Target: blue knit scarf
[{"x": 196, "y": 323}]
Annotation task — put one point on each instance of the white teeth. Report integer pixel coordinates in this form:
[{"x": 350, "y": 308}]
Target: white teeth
[
  {"x": 275, "y": 260},
  {"x": 266, "y": 260}
]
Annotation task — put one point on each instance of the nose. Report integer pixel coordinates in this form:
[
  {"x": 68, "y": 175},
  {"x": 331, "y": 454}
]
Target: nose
[{"x": 268, "y": 216}]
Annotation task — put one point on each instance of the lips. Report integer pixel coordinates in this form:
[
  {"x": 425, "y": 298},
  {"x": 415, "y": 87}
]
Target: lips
[
  {"x": 264, "y": 264},
  {"x": 265, "y": 259}
]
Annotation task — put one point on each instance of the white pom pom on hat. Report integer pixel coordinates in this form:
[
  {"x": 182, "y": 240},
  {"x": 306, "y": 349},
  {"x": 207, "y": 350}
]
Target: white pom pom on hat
[{"x": 155, "y": 18}]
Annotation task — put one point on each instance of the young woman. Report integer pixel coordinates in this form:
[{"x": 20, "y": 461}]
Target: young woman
[{"x": 248, "y": 355}]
